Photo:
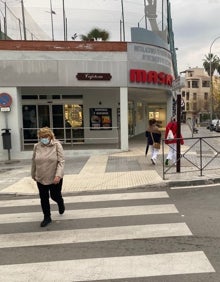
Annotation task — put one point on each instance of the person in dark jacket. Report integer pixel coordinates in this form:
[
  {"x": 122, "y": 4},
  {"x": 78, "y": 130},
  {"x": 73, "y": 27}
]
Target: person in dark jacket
[{"x": 153, "y": 134}]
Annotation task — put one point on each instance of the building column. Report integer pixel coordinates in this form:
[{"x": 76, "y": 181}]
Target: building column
[
  {"x": 124, "y": 118},
  {"x": 13, "y": 121}
]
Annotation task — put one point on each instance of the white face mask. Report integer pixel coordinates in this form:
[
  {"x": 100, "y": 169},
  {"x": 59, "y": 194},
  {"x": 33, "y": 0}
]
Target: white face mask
[{"x": 45, "y": 141}]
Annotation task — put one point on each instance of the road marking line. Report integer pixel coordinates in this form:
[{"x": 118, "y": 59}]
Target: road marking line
[
  {"x": 196, "y": 186},
  {"x": 94, "y": 235},
  {"x": 90, "y": 198},
  {"x": 109, "y": 268},
  {"x": 91, "y": 213}
]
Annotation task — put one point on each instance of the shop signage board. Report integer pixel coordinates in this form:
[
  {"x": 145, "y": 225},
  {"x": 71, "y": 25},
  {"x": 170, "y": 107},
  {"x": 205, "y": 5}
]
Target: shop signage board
[
  {"x": 100, "y": 118},
  {"x": 93, "y": 76}
]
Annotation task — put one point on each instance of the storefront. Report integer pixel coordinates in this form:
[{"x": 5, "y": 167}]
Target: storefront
[{"x": 88, "y": 92}]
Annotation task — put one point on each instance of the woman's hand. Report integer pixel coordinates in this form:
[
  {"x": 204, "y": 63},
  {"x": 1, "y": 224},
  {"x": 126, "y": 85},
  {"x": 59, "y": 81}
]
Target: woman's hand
[{"x": 56, "y": 180}]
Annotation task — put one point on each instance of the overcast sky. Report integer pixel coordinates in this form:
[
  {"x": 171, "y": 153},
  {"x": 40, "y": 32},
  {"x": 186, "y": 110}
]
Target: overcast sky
[{"x": 195, "y": 22}]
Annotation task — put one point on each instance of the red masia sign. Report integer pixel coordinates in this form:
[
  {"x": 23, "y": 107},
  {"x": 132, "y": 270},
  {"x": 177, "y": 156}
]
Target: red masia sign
[{"x": 142, "y": 76}]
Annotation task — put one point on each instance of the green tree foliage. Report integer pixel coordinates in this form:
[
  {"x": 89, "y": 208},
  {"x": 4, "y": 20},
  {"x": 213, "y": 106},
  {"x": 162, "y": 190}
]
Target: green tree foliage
[
  {"x": 214, "y": 61},
  {"x": 96, "y": 34}
]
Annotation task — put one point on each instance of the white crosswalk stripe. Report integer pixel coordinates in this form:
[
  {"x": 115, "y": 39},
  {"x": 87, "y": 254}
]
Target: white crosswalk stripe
[
  {"x": 94, "y": 235},
  {"x": 93, "y": 213},
  {"x": 92, "y": 198},
  {"x": 124, "y": 228},
  {"x": 109, "y": 268}
]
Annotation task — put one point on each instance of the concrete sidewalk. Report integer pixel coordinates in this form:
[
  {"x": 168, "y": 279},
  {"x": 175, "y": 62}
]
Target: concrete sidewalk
[{"x": 105, "y": 171}]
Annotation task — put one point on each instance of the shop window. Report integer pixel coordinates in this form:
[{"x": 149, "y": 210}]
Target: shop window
[
  {"x": 72, "y": 96},
  {"x": 140, "y": 111},
  {"x": 29, "y": 122},
  {"x": 56, "y": 97},
  {"x": 131, "y": 118},
  {"x": 29, "y": 97},
  {"x": 73, "y": 115}
]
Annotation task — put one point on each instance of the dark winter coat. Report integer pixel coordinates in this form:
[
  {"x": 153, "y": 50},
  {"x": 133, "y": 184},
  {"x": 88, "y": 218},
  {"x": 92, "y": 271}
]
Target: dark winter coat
[{"x": 156, "y": 134}]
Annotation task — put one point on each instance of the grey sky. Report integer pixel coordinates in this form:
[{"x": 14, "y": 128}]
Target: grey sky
[{"x": 195, "y": 23}]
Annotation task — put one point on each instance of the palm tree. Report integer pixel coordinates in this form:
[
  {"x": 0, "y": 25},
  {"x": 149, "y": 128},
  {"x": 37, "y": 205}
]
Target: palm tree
[
  {"x": 96, "y": 34},
  {"x": 212, "y": 62}
]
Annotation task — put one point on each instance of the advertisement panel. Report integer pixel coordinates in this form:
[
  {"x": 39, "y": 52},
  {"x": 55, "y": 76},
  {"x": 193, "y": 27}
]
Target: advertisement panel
[{"x": 100, "y": 118}]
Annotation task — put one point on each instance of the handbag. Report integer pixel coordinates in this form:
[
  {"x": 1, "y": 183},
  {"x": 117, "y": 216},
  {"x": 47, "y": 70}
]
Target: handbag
[
  {"x": 156, "y": 145},
  {"x": 170, "y": 134}
]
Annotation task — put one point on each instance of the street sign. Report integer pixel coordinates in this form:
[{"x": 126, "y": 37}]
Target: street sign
[
  {"x": 178, "y": 83},
  {"x": 182, "y": 103},
  {"x": 5, "y": 100},
  {"x": 5, "y": 109}
]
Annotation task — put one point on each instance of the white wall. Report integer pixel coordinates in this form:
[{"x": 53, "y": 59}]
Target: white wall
[
  {"x": 109, "y": 98},
  {"x": 13, "y": 120}
]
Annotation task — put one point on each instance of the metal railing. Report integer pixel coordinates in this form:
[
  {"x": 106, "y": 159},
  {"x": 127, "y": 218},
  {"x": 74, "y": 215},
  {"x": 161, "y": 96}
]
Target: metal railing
[
  {"x": 198, "y": 154},
  {"x": 72, "y": 136}
]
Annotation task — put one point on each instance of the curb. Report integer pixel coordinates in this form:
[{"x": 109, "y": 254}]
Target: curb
[{"x": 196, "y": 182}]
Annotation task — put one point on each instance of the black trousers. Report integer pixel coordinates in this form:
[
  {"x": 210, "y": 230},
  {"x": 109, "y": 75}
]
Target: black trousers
[{"x": 47, "y": 191}]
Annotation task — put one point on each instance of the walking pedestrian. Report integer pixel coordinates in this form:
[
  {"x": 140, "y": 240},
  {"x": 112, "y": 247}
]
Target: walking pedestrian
[
  {"x": 153, "y": 135},
  {"x": 171, "y": 141},
  {"x": 48, "y": 170}
]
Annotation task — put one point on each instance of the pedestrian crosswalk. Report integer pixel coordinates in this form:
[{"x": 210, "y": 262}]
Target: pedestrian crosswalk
[{"x": 101, "y": 236}]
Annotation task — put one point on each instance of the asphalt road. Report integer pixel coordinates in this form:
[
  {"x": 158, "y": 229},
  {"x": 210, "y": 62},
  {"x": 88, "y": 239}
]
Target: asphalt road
[
  {"x": 200, "y": 209},
  {"x": 154, "y": 235}
]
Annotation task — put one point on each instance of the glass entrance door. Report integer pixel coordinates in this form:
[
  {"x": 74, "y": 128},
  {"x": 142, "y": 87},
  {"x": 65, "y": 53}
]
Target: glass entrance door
[
  {"x": 52, "y": 116},
  {"x": 65, "y": 120},
  {"x": 131, "y": 118}
]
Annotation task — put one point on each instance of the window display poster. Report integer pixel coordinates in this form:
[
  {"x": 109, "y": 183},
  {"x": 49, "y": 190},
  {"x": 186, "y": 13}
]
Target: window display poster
[{"x": 100, "y": 118}]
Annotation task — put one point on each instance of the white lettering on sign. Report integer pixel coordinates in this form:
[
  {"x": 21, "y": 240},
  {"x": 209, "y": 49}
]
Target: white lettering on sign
[
  {"x": 5, "y": 109},
  {"x": 153, "y": 54}
]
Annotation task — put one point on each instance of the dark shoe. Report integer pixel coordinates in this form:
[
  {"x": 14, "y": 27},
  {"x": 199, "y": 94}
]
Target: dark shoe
[
  {"x": 61, "y": 208},
  {"x": 45, "y": 222},
  {"x": 166, "y": 162},
  {"x": 153, "y": 161}
]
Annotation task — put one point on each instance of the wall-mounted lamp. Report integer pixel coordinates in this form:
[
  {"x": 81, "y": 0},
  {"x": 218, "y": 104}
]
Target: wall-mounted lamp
[{"x": 100, "y": 102}]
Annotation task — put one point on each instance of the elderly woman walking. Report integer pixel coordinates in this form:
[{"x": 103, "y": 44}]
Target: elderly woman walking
[{"x": 48, "y": 171}]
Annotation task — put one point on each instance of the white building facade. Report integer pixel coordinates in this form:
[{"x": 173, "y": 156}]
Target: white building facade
[
  {"x": 196, "y": 95},
  {"x": 88, "y": 92}
]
